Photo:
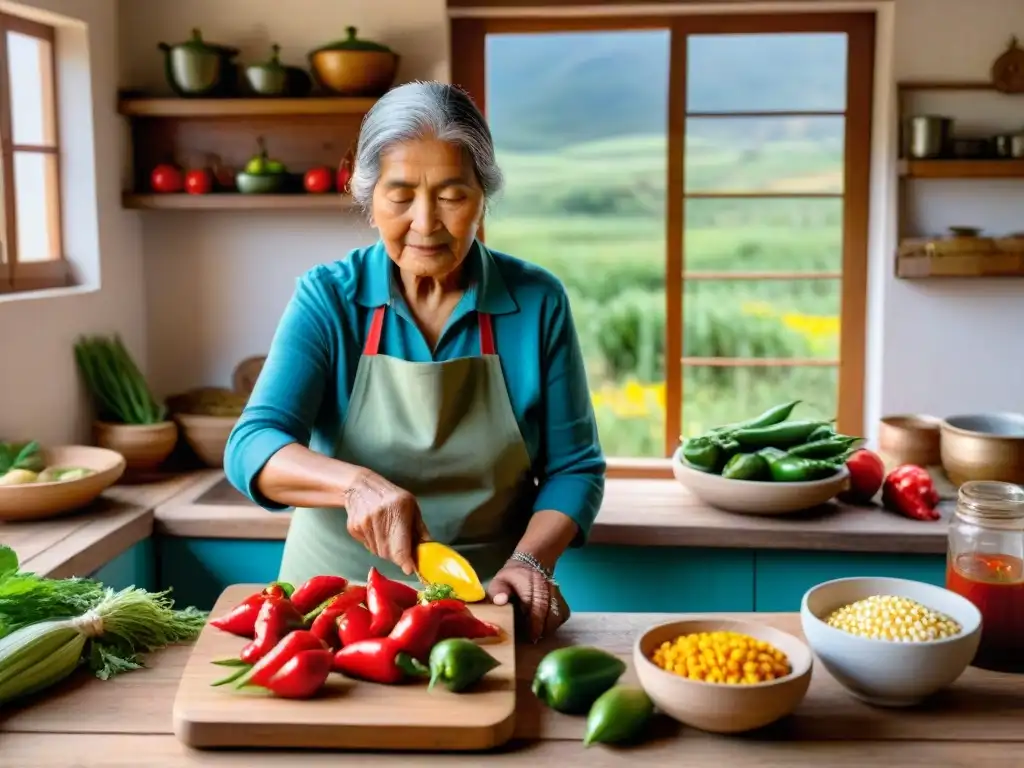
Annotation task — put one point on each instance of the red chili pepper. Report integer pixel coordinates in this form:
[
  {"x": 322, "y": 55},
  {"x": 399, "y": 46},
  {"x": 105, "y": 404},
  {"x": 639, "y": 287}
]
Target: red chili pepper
[
  {"x": 295, "y": 642},
  {"x": 416, "y": 631},
  {"x": 378, "y": 660},
  {"x": 241, "y": 620},
  {"x": 460, "y": 622},
  {"x": 276, "y": 619},
  {"x": 354, "y": 625},
  {"x": 398, "y": 593},
  {"x": 316, "y": 590},
  {"x": 353, "y": 595},
  {"x": 909, "y": 490},
  {"x": 302, "y": 675},
  {"x": 385, "y": 611},
  {"x": 325, "y": 627}
]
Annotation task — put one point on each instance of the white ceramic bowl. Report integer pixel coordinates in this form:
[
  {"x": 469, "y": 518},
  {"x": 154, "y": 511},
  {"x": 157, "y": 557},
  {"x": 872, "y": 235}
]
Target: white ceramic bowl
[
  {"x": 882, "y": 672},
  {"x": 718, "y": 707},
  {"x": 754, "y": 497}
]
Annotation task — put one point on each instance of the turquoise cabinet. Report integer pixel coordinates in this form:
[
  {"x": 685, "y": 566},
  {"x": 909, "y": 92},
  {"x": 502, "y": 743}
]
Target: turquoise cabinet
[
  {"x": 596, "y": 578},
  {"x": 782, "y": 577},
  {"x": 133, "y": 567}
]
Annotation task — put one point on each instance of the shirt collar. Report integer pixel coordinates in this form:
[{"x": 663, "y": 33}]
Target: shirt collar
[{"x": 487, "y": 290}]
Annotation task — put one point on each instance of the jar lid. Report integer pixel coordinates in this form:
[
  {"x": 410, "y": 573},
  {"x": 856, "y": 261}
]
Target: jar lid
[{"x": 992, "y": 500}]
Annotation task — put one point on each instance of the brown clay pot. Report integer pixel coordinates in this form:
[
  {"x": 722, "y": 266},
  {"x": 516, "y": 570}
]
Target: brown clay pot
[{"x": 144, "y": 446}]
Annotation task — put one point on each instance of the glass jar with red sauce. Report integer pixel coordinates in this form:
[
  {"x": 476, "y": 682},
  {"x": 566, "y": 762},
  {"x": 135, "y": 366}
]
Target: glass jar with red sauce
[{"x": 985, "y": 564}]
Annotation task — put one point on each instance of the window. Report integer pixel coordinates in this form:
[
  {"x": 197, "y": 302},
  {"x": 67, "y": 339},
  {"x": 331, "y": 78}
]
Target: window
[
  {"x": 700, "y": 186},
  {"x": 30, "y": 229}
]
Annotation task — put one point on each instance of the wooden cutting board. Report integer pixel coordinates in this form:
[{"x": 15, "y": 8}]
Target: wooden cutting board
[{"x": 347, "y": 714}]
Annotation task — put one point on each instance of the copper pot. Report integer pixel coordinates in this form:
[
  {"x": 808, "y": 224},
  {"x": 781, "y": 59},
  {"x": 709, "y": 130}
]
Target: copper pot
[
  {"x": 354, "y": 67},
  {"x": 985, "y": 446}
]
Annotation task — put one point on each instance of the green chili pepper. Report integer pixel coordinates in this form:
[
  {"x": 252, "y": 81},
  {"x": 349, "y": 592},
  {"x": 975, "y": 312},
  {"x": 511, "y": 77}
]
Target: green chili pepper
[
  {"x": 570, "y": 679},
  {"x": 702, "y": 453},
  {"x": 795, "y": 469},
  {"x": 773, "y": 415},
  {"x": 825, "y": 449},
  {"x": 459, "y": 663},
  {"x": 823, "y": 432},
  {"x": 784, "y": 435},
  {"x": 747, "y": 466},
  {"x": 619, "y": 715}
]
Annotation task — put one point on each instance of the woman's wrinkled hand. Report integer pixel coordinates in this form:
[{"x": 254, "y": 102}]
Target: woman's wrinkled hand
[
  {"x": 539, "y": 599},
  {"x": 385, "y": 519}
]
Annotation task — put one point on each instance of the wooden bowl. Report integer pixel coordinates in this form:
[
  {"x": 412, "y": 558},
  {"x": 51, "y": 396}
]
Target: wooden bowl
[
  {"x": 144, "y": 446},
  {"x": 207, "y": 435},
  {"x": 984, "y": 446},
  {"x": 35, "y": 501},
  {"x": 911, "y": 439},
  {"x": 755, "y": 497},
  {"x": 354, "y": 73},
  {"x": 718, "y": 707}
]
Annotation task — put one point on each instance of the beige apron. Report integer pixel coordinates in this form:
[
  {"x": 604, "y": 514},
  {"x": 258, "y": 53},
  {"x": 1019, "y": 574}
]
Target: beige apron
[{"x": 445, "y": 432}]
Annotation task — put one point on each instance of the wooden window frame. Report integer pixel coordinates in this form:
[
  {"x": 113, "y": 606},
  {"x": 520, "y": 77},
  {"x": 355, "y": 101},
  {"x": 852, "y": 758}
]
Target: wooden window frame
[
  {"x": 17, "y": 276},
  {"x": 468, "y": 70}
]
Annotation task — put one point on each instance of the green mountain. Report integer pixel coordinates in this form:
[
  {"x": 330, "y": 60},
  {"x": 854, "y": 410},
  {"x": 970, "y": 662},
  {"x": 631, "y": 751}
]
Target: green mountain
[{"x": 546, "y": 91}]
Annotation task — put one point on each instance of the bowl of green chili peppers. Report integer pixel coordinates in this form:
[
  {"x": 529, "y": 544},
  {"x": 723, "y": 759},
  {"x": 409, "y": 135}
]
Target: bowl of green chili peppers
[{"x": 767, "y": 465}]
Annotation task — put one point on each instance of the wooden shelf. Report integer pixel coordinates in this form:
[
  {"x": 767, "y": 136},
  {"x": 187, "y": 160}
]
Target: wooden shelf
[
  {"x": 946, "y": 85},
  {"x": 919, "y": 267},
  {"x": 962, "y": 169},
  {"x": 172, "y": 107},
  {"x": 234, "y": 201}
]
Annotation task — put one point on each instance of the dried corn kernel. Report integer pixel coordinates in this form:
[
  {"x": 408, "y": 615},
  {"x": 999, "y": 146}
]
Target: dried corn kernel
[
  {"x": 888, "y": 617},
  {"x": 731, "y": 658}
]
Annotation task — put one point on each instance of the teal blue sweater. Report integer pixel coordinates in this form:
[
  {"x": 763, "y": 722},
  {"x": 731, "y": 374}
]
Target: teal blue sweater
[{"x": 302, "y": 394}]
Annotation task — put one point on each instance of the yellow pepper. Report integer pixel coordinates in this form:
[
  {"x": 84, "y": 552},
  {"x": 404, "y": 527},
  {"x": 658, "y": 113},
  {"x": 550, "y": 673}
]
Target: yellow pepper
[{"x": 438, "y": 564}]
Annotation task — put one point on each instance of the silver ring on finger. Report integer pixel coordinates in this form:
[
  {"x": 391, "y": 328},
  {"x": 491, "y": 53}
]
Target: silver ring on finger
[{"x": 553, "y": 606}]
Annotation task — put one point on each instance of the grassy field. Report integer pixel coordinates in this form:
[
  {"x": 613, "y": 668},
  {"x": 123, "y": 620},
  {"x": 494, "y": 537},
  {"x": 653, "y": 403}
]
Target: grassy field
[{"x": 594, "y": 214}]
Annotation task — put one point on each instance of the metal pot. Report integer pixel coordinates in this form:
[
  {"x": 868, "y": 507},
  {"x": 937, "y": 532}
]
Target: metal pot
[
  {"x": 928, "y": 136},
  {"x": 271, "y": 78},
  {"x": 198, "y": 68}
]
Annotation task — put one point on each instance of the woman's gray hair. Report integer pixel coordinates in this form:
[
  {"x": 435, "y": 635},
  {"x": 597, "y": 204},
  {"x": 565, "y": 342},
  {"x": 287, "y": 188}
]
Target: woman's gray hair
[{"x": 417, "y": 110}]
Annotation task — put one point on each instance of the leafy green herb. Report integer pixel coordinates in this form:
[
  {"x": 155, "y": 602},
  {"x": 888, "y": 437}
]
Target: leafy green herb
[
  {"x": 20, "y": 456},
  {"x": 122, "y": 624},
  {"x": 119, "y": 390}
]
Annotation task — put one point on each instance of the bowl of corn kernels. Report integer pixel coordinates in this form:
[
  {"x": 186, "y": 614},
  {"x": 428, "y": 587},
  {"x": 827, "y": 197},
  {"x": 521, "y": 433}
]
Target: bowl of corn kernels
[
  {"x": 722, "y": 675},
  {"x": 890, "y": 642}
]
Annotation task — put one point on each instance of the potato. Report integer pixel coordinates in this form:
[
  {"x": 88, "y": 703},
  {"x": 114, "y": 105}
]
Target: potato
[{"x": 18, "y": 477}]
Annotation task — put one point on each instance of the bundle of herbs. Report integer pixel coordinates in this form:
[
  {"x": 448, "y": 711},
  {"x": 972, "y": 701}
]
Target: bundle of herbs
[
  {"x": 50, "y": 627},
  {"x": 119, "y": 390}
]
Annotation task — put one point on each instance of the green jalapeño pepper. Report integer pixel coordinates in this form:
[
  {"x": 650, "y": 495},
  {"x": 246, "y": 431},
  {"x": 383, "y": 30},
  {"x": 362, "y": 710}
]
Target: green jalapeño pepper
[
  {"x": 784, "y": 435},
  {"x": 825, "y": 449},
  {"x": 795, "y": 469},
  {"x": 747, "y": 466},
  {"x": 459, "y": 663},
  {"x": 702, "y": 453},
  {"x": 822, "y": 433},
  {"x": 569, "y": 680},
  {"x": 773, "y": 415}
]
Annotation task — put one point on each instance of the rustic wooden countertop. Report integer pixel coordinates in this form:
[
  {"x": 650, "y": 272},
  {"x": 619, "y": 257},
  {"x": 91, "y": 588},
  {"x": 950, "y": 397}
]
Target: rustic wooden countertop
[
  {"x": 113, "y": 724},
  {"x": 79, "y": 543},
  {"x": 634, "y": 513}
]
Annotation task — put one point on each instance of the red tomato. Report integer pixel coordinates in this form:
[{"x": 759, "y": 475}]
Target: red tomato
[
  {"x": 166, "y": 178},
  {"x": 867, "y": 471},
  {"x": 198, "y": 181},
  {"x": 317, "y": 180}
]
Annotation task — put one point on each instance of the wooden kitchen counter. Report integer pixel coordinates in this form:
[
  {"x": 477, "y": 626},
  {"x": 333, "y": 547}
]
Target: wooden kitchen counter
[
  {"x": 634, "y": 513},
  {"x": 126, "y": 722},
  {"x": 79, "y": 543}
]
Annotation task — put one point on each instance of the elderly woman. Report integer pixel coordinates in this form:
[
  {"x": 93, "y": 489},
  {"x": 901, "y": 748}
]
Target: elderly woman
[{"x": 426, "y": 387}]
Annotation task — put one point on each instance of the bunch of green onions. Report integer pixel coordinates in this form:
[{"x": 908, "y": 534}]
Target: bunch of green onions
[
  {"x": 118, "y": 388},
  {"x": 107, "y": 637}
]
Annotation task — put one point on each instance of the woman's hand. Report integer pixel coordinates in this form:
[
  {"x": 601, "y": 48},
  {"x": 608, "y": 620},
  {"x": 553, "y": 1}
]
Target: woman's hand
[
  {"x": 385, "y": 519},
  {"x": 541, "y": 600}
]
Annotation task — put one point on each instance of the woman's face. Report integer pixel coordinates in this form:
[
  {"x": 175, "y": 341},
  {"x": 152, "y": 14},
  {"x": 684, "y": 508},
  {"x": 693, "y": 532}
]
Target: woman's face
[{"x": 427, "y": 206}]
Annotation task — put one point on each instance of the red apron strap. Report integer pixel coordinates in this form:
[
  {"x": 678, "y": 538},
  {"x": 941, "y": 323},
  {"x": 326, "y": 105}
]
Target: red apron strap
[
  {"x": 376, "y": 326},
  {"x": 486, "y": 334}
]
